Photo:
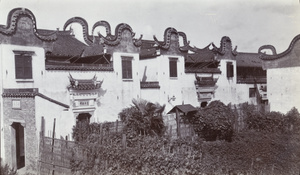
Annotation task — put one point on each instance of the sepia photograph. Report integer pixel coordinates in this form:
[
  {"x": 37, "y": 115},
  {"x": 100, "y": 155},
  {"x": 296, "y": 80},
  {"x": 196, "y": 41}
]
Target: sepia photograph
[{"x": 175, "y": 87}]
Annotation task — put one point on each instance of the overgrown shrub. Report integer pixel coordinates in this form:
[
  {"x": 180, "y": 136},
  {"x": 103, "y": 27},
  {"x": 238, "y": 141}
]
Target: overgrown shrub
[
  {"x": 214, "y": 122},
  {"x": 251, "y": 151},
  {"x": 6, "y": 169},
  {"x": 271, "y": 121},
  {"x": 84, "y": 131}
]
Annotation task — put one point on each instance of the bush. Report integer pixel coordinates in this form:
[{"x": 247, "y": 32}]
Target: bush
[
  {"x": 6, "y": 170},
  {"x": 143, "y": 118},
  {"x": 251, "y": 151},
  {"x": 214, "y": 122},
  {"x": 85, "y": 131},
  {"x": 271, "y": 121}
]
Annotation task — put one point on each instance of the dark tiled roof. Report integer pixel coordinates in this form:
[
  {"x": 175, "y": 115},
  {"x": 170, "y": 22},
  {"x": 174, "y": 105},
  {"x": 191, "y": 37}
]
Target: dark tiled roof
[
  {"x": 86, "y": 86},
  {"x": 251, "y": 80},
  {"x": 203, "y": 70},
  {"x": 67, "y": 45},
  {"x": 248, "y": 60},
  {"x": 93, "y": 50},
  {"x": 153, "y": 84},
  {"x": 206, "y": 56},
  {"x": 148, "y": 49},
  {"x": 29, "y": 93},
  {"x": 20, "y": 93},
  {"x": 45, "y": 31},
  {"x": 80, "y": 67},
  {"x": 183, "y": 108},
  {"x": 147, "y": 44},
  {"x": 148, "y": 53}
]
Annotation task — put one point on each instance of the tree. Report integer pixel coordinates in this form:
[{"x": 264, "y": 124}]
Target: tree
[{"x": 143, "y": 117}]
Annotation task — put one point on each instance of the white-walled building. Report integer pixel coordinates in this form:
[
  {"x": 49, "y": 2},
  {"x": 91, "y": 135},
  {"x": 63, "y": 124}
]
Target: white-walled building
[
  {"x": 283, "y": 78},
  {"x": 47, "y": 75}
]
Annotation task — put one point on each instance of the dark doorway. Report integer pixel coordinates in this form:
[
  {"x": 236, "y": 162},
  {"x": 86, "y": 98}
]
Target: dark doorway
[
  {"x": 18, "y": 151},
  {"x": 83, "y": 118},
  {"x": 203, "y": 104}
]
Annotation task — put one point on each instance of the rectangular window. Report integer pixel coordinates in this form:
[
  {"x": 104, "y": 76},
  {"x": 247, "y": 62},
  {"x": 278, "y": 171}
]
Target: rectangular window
[
  {"x": 252, "y": 92},
  {"x": 23, "y": 65},
  {"x": 173, "y": 67},
  {"x": 229, "y": 69},
  {"x": 126, "y": 67}
]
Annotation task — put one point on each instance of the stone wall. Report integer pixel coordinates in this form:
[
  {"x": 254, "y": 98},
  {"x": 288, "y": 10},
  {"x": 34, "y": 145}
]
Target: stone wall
[{"x": 23, "y": 113}]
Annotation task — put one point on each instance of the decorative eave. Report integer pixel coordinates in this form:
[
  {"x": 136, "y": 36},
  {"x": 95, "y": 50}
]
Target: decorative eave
[
  {"x": 223, "y": 44},
  {"x": 13, "y": 18},
  {"x": 275, "y": 56},
  {"x": 85, "y": 28},
  {"x": 150, "y": 85},
  {"x": 114, "y": 40},
  {"x": 167, "y": 38},
  {"x": 84, "y": 84},
  {"x": 186, "y": 44},
  {"x": 109, "y": 39}
]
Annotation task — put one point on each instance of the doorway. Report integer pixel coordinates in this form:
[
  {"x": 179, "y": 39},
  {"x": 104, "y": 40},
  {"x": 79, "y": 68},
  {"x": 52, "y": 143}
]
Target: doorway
[
  {"x": 83, "y": 118},
  {"x": 18, "y": 151}
]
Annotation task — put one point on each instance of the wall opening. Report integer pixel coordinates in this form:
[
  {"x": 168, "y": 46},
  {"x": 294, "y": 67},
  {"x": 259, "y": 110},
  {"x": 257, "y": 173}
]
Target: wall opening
[
  {"x": 18, "y": 150},
  {"x": 204, "y": 104},
  {"x": 83, "y": 118}
]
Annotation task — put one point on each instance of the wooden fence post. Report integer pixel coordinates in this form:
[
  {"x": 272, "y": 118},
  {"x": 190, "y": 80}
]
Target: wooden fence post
[
  {"x": 124, "y": 141},
  {"x": 117, "y": 125},
  {"x": 178, "y": 123},
  {"x": 101, "y": 133},
  {"x": 52, "y": 149}
]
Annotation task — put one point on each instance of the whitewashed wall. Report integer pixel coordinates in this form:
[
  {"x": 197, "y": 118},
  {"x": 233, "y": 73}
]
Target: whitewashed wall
[
  {"x": 283, "y": 88},
  {"x": 226, "y": 90}
]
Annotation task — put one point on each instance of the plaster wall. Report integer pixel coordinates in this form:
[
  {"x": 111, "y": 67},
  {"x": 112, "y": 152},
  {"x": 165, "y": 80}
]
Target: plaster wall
[
  {"x": 226, "y": 90},
  {"x": 283, "y": 88},
  {"x": 242, "y": 93}
]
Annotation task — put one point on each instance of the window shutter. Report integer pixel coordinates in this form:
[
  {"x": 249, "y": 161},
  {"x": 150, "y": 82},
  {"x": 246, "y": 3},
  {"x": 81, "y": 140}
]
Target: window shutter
[
  {"x": 229, "y": 70},
  {"x": 173, "y": 68},
  {"x": 126, "y": 68},
  {"x": 252, "y": 92},
  {"x": 23, "y": 66},
  {"x": 27, "y": 67},
  {"x": 19, "y": 62},
  {"x": 123, "y": 69}
]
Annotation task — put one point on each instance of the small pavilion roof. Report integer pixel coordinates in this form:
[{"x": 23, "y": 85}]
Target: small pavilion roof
[{"x": 186, "y": 108}]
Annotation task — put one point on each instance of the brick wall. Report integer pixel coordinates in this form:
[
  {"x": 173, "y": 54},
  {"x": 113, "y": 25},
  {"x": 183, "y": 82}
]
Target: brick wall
[{"x": 25, "y": 115}]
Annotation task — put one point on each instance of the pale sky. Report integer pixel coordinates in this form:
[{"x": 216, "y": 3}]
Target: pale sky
[{"x": 250, "y": 24}]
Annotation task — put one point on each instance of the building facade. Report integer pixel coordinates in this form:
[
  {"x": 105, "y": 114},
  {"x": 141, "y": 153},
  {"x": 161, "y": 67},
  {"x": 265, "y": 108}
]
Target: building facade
[
  {"x": 282, "y": 76},
  {"x": 49, "y": 75}
]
